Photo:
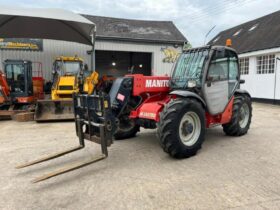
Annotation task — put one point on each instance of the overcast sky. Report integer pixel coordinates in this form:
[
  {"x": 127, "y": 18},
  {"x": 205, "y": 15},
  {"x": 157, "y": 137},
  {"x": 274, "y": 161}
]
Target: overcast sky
[{"x": 194, "y": 18}]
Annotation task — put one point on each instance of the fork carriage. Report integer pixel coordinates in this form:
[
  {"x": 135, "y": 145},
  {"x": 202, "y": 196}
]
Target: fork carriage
[{"x": 91, "y": 114}]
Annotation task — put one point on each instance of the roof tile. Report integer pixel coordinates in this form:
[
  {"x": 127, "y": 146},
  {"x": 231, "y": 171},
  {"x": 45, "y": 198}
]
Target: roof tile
[
  {"x": 265, "y": 36},
  {"x": 137, "y": 30}
]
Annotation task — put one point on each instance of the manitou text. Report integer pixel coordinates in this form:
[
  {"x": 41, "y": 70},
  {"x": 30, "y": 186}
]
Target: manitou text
[{"x": 156, "y": 83}]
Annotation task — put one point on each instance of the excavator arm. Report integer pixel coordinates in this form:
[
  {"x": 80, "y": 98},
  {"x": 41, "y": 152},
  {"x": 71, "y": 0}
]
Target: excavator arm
[
  {"x": 4, "y": 89},
  {"x": 90, "y": 82}
]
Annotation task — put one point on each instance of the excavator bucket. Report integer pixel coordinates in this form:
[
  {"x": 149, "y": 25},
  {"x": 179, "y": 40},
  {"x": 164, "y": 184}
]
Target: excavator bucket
[
  {"x": 54, "y": 110},
  {"x": 94, "y": 122}
]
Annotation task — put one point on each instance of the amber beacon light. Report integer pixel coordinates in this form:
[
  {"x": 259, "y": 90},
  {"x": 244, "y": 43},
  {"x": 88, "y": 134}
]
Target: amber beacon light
[{"x": 228, "y": 43}]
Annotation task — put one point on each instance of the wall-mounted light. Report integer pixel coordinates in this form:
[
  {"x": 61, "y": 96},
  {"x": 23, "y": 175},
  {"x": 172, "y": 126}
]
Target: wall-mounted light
[
  {"x": 113, "y": 63},
  {"x": 140, "y": 65}
]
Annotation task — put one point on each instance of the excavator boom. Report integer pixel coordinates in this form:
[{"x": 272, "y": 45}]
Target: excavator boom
[{"x": 4, "y": 89}]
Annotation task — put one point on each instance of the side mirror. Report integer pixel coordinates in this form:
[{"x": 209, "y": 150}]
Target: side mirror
[{"x": 242, "y": 81}]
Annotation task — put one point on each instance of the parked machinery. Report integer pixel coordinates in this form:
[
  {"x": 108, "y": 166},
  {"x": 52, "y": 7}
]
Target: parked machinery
[
  {"x": 69, "y": 77},
  {"x": 203, "y": 91},
  {"x": 21, "y": 87}
]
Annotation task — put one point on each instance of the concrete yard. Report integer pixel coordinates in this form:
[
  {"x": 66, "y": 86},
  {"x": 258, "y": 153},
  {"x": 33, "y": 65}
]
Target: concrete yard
[{"x": 228, "y": 173}]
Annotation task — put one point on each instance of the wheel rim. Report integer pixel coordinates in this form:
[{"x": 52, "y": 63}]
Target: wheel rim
[
  {"x": 189, "y": 129},
  {"x": 244, "y": 115}
]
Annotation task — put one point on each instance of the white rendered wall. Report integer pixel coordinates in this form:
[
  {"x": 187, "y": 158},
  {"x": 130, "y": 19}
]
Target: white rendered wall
[{"x": 262, "y": 85}]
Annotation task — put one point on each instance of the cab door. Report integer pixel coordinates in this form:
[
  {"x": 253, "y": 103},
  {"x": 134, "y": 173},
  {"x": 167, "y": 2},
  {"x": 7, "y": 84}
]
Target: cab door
[{"x": 216, "y": 88}]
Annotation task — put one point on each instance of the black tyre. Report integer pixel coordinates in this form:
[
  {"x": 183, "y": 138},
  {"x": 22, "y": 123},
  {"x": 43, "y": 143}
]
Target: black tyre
[
  {"x": 181, "y": 129},
  {"x": 241, "y": 116},
  {"x": 127, "y": 129}
]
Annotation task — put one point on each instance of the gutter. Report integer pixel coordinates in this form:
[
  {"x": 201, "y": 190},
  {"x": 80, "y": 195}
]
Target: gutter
[{"x": 137, "y": 40}]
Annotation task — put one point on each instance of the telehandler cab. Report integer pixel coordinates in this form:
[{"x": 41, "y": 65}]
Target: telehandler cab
[{"x": 203, "y": 91}]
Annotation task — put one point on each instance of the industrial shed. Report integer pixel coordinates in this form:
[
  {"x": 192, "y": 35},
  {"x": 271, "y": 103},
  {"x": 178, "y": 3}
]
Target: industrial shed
[{"x": 148, "y": 47}]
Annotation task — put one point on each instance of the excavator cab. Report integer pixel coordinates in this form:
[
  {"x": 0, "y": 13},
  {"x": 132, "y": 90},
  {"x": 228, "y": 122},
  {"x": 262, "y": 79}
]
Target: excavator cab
[
  {"x": 67, "y": 66},
  {"x": 19, "y": 78},
  {"x": 20, "y": 87},
  {"x": 66, "y": 71}
]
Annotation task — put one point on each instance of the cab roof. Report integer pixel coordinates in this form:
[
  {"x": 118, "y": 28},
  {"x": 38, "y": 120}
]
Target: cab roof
[
  {"x": 208, "y": 47},
  {"x": 69, "y": 58},
  {"x": 11, "y": 61}
]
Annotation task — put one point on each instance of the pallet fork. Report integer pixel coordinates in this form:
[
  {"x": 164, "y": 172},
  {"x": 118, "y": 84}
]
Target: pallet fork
[{"x": 93, "y": 121}]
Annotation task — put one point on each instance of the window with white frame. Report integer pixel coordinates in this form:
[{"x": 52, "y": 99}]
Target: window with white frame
[
  {"x": 244, "y": 65},
  {"x": 265, "y": 64}
]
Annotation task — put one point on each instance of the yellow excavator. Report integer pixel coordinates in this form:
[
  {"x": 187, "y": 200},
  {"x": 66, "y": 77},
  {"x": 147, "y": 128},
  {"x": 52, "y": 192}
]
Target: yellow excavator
[{"x": 70, "y": 76}]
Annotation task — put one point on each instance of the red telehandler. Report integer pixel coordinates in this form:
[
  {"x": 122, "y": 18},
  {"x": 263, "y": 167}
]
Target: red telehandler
[{"x": 203, "y": 91}]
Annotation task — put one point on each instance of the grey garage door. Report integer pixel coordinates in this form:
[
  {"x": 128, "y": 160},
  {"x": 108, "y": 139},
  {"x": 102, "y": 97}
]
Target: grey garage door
[{"x": 118, "y": 63}]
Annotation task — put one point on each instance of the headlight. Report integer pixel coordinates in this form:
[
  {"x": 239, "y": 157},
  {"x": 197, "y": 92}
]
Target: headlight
[{"x": 191, "y": 83}]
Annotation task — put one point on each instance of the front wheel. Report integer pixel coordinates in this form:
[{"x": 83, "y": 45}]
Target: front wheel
[
  {"x": 127, "y": 128},
  {"x": 182, "y": 127},
  {"x": 241, "y": 116}
]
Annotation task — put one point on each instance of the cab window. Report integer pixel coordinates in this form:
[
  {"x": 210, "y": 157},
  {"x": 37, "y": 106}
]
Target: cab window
[
  {"x": 223, "y": 67},
  {"x": 233, "y": 74},
  {"x": 218, "y": 70}
]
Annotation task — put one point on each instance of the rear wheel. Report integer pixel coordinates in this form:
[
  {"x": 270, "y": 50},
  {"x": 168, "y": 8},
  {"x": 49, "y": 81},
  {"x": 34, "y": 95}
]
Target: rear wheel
[
  {"x": 127, "y": 128},
  {"x": 182, "y": 127},
  {"x": 241, "y": 117}
]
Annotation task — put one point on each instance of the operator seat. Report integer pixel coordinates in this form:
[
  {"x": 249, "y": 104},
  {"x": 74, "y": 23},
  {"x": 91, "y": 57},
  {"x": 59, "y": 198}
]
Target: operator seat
[{"x": 20, "y": 82}]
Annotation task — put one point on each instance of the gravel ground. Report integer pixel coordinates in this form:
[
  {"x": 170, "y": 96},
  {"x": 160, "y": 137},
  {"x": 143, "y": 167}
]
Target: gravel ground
[{"x": 228, "y": 173}]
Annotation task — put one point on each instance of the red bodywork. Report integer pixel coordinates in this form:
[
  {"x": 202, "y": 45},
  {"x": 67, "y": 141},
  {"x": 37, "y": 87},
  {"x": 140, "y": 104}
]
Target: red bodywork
[
  {"x": 25, "y": 100},
  {"x": 4, "y": 88},
  {"x": 154, "y": 91},
  {"x": 223, "y": 118},
  {"x": 38, "y": 81}
]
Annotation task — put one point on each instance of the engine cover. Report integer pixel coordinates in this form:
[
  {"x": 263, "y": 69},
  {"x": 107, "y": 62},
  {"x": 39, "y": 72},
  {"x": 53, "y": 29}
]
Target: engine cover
[
  {"x": 120, "y": 93},
  {"x": 149, "y": 84}
]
